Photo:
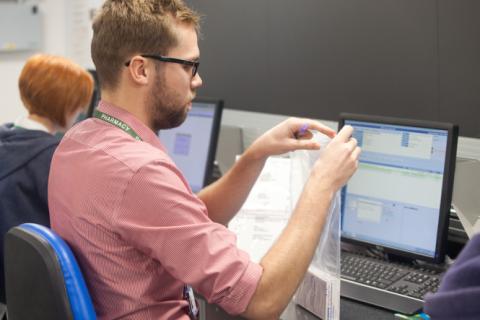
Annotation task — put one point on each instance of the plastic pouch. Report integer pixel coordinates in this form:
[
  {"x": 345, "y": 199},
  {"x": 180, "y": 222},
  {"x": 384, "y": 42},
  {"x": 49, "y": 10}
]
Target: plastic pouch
[{"x": 319, "y": 291}]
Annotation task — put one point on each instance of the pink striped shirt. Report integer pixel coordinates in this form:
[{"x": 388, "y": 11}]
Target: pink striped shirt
[{"x": 137, "y": 229}]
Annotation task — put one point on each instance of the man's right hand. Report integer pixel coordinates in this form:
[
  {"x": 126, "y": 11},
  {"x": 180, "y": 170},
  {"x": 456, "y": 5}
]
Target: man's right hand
[
  {"x": 286, "y": 262},
  {"x": 338, "y": 162}
]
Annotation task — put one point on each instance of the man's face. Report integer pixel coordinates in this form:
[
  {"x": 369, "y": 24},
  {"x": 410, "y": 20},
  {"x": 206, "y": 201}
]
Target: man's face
[{"x": 174, "y": 87}]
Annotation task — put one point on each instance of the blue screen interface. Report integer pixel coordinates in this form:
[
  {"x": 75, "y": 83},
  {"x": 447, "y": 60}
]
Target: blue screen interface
[{"x": 394, "y": 198}]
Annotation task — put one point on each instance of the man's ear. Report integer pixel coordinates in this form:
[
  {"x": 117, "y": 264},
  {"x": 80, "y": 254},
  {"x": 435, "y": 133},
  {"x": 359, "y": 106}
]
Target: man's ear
[{"x": 138, "y": 70}]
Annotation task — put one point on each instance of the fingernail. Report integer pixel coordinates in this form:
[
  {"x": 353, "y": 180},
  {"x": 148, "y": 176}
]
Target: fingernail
[{"x": 303, "y": 129}]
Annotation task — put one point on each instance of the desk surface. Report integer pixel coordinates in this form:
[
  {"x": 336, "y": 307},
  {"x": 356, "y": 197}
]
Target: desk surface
[{"x": 349, "y": 310}]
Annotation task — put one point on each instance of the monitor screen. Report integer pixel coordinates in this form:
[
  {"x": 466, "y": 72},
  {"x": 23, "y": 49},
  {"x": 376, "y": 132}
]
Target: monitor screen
[
  {"x": 192, "y": 145},
  {"x": 399, "y": 198}
]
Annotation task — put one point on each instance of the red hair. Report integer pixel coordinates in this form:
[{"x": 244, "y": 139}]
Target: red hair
[{"x": 54, "y": 87}]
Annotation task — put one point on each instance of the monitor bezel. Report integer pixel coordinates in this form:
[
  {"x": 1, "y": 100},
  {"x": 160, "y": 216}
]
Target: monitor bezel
[
  {"x": 447, "y": 185},
  {"x": 215, "y": 134}
]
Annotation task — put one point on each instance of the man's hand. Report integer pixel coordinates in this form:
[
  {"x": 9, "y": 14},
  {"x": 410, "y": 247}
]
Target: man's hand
[
  {"x": 285, "y": 264},
  {"x": 291, "y": 134},
  {"x": 339, "y": 160}
]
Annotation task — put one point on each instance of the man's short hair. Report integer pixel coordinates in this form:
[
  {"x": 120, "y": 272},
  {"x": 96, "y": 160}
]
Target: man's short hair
[
  {"x": 54, "y": 87},
  {"x": 124, "y": 28}
]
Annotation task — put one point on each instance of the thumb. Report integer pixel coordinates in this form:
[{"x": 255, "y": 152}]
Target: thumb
[{"x": 344, "y": 134}]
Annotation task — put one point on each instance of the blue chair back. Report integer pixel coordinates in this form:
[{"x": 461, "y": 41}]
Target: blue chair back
[{"x": 42, "y": 277}]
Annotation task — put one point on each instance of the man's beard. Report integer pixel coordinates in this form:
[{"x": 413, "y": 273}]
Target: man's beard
[{"x": 167, "y": 109}]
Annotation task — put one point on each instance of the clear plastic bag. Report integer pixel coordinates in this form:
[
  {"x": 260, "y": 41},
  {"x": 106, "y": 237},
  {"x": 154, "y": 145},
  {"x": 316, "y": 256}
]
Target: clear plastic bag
[{"x": 320, "y": 290}]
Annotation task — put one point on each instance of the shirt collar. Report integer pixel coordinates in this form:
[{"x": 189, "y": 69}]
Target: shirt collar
[
  {"x": 29, "y": 124},
  {"x": 138, "y": 126}
]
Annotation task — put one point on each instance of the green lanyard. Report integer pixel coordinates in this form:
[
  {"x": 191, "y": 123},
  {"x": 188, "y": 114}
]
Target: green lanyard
[{"x": 117, "y": 123}]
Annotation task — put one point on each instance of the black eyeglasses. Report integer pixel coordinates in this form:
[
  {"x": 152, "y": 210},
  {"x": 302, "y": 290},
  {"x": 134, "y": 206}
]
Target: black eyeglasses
[{"x": 193, "y": 64}]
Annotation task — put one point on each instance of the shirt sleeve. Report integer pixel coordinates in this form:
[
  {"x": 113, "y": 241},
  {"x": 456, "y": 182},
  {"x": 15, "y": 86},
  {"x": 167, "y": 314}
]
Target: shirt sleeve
[{"x": 160, "y": 216}]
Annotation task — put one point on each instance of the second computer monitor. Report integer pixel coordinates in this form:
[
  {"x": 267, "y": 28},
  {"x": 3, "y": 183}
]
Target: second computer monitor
[
  {"x": 192, "y": 145},
  {"x": 399, "y": 198}
]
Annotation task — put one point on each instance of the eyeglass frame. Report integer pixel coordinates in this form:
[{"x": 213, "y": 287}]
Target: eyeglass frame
[{"x": 193, "y": 64}]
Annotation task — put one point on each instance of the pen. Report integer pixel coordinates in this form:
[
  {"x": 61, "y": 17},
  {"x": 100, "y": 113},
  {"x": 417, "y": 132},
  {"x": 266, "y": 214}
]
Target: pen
[{"x": 303, "y": 129}]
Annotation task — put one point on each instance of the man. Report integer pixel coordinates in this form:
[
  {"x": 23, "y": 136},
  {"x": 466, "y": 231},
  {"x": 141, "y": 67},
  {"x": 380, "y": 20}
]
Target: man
[{"x": 142, "y": 238}]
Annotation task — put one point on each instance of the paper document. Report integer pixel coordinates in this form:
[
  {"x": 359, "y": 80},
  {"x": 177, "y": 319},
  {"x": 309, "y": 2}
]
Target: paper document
[
  {"x": 465, "y": 198},
  {"x": 266, "y": 210}
]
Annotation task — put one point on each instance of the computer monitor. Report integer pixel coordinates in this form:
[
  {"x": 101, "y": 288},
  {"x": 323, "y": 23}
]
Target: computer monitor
[
  {"x": 399, "y": 199},
  {"x": 192, "y": 145}
]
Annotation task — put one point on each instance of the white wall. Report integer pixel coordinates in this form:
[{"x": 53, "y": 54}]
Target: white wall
[
  {"x": 9, "y": 70},
  {"x": 66, "y": 32}
]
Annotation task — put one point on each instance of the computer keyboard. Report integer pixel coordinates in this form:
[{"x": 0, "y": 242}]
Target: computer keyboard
[{"x": 386, "y": 284}]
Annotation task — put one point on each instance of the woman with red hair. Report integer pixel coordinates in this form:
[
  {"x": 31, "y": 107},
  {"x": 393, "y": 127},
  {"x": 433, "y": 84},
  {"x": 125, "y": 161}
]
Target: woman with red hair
[{"x": 54, "y": 90}]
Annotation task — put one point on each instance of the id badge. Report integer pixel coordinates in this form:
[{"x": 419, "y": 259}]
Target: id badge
[{"x": 192, "y": 303}]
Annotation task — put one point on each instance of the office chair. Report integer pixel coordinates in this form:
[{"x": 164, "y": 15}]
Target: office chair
[{"x": 42, "y": 277}]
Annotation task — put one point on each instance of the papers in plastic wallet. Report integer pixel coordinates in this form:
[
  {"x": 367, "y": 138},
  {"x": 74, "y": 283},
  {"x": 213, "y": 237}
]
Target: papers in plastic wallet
[{"x": 266, "y": 212}]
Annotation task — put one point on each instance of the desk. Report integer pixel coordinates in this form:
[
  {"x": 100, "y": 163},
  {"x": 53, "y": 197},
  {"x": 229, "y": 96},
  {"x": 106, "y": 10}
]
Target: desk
[{"x": 349, "y": 310}]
